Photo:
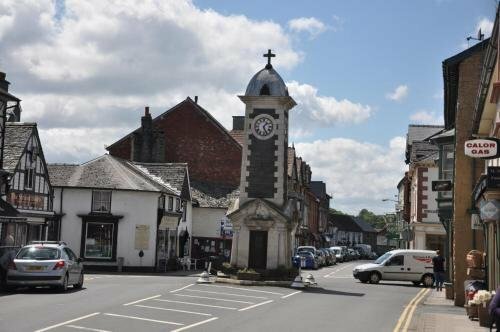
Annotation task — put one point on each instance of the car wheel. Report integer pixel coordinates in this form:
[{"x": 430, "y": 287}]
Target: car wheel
[
  {"x": 80, "y": 282},
  {"x": 416, "y": 283},
  {"x": 374, "y": 278},
  {"x": 64, "y": 285},
  {"x": 428, "y": 280}
]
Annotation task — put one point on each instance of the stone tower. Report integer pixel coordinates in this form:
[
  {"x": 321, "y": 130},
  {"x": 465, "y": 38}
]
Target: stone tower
[{"x": 261, "y": 223}]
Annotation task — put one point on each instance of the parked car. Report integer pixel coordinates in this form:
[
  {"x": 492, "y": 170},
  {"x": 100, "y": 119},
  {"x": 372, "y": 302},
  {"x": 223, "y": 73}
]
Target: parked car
[
  {"x": 328, "y": 256},
  {"x": 309, "y": 261},
  {"x": 339, "y": 254},
  {"x": 45, "y": 263},
  {"x": 365, "y": 250},
  {"x": 332, "y": 255},
  {"x": 319, "y": 258},
  {"x": 399, "y": 265},
  {"x": 351, "y": 254}
]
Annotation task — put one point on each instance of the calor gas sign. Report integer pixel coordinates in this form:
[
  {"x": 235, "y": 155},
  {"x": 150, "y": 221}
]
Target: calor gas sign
[{"x": 482, "y": 148}]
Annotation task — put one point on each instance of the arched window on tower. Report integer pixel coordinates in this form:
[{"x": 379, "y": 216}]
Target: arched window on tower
[{"x": 264, "y": 91}]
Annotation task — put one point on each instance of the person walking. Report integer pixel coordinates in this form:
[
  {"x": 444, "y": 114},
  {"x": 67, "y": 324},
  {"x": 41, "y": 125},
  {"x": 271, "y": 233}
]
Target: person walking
[
  {"x": 438, "y": 268},
  {"x": 495, "y": 309}
]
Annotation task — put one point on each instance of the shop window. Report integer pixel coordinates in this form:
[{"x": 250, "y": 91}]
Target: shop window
[
  {"x": 101, "y": 201},
  {"x": 99, "y": 240}
]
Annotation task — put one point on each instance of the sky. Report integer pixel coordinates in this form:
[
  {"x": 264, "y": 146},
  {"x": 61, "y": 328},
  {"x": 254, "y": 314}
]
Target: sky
[{"x": 360, "y": 72}]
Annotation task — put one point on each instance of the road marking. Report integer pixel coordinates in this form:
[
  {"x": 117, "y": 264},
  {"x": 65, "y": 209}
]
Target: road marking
[
  {"x": 214, "y": 298},
  {"x": 412, "y": 310},
  {"x": 198, "y": 304},
  {"x": 138, "y": 301},
  {"x": 174, "y": 291},
  {"x": 405, "y": 312},
  {"x": 333, "y": 272},
  {"x": 176, "y": 310},
  {"x": 67, "y": 322},
  {"x": 255, "y": 305},
  {"x": 195, "y": 324},
  {"x": 291, "y": 294},
  {"x": 144, "y": 319},
  {"x": 230, "y": 294},
  {"x": 245, "y": 289},
  {"x": 86, "y": 328}
]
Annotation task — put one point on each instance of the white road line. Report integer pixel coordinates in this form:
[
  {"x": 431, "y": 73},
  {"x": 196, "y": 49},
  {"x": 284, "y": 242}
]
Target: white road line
[
  {"x": 67, "y": 322},
  {"x": 230, "y": 294},
  {"x": 86, "y": 328},
  {"x": 198, "y": 304},
  {"x": 174, "y": 291},
  {"x": 291, "y": 294},
  {"x": 255, "y": 305},
  {"x": 342, "y": 277},
  {"x": 245, "y": 289},
  {"x": 138, "y": 301},
  {"x": 175, "y": 310},
  {"x": 144, "y": 319},
  {"x": 214, "y": 298},
  {"x": 195, "y": 324},
  {"x": 333, "y": 272}
]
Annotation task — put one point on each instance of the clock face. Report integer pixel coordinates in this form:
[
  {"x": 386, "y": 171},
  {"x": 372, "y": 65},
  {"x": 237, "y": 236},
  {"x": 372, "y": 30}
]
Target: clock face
[{"x": 263, "y": 126}]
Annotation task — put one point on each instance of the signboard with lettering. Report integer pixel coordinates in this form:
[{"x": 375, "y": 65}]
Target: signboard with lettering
[
  {"x": 442, "y": 185},
  {"x": 141, "y": 237},
  {"x": 26, "y": 201},
  {"x": 482, "y": 148},
  {"x": 475, "y": 222}
]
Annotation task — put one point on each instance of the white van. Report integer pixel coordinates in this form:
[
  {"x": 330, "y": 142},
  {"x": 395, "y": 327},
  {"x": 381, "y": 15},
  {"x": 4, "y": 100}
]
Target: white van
[{"x": 399, "y": 265}]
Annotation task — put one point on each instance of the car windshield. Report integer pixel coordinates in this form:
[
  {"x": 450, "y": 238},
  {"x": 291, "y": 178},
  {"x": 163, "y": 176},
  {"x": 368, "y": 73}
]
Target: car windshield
[
  {"x": 304, "y": 253},
  {"x": 38, "y": 253},
  {"x": 311, "y": 250},
  {"x": 383, "y": 258}
]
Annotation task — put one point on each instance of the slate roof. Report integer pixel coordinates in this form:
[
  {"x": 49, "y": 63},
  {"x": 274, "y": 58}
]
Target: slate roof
[
  {"x": 365, "y": 227},
  {"x": 344, "y": 222},
  {"x": 415, "y": 138},
  {"x": 105, "y": 172},
  {"x": 319, "y": 189},
  {"x": 16, "y": 138},
  {"x": 421, "y": 150},
  {"x": 173, "y": 175},
  {"x": 211, "y": 195}
]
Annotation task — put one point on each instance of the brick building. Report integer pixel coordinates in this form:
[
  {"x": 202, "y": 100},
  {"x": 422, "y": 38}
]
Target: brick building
[{"x": 186, "y": 133}]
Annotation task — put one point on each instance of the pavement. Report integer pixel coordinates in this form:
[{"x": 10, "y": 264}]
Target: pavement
[{"x": 436, "y": 313}]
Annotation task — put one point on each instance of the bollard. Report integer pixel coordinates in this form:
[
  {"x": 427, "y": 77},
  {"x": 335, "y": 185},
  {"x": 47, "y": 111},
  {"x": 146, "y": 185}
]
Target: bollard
[
  {"x": 297, "y": 282},
  {"x": 310, "y": 281}
]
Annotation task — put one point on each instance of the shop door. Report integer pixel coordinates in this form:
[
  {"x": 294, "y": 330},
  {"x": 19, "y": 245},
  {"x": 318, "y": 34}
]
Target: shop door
[{"x": 258, "y": 250}]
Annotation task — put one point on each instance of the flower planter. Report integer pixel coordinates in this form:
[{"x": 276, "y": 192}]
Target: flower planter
[
  {"x": 484, "y": 315},
  {"x": 472, "y": 311},
  {"x": 248, "y": 276}
]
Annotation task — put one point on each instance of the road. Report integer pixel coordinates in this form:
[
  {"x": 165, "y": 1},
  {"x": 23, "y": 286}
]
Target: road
[{"x": 129, "y": 303}]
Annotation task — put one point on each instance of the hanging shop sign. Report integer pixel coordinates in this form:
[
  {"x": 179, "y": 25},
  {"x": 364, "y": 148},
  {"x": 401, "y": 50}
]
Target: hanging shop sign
[
  {"x": 490, "y": 209},
  {"x": 475, "y": 222},
  {"x": 442, "y": 185},
  {"x": 482, "y": 148}
]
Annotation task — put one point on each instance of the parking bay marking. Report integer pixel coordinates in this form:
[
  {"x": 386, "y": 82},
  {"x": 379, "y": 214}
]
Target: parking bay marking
[
  {"x": 144, "y": 319},
  {"x": 67, "y": 322},
  {"x": 229, "y": 294},
  {"x": 179, "y": 289},
  {"x": 86, "y": 328},
  {"x": 214, "y": 298},
  {"x": 195, "y": 324},
  {"x": 333, "y": 272},
  {"x": 248, "y": 290},
  {"x": 142, "y": 300},
  {"x": 291, "y": 294},
  {"x": 175, "y": 310},
  {"x": 198, "y": 304},
  {"x": 255, "y": 305}
]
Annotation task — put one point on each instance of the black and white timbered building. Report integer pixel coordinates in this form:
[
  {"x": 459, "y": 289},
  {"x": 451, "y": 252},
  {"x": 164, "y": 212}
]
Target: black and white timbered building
[{"x": 29, "y": 191}]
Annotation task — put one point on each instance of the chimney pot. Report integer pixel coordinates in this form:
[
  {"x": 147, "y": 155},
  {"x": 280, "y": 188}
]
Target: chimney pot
[
  {"x": 146, "y": 111},
  {"x": 196, "y": 99}
]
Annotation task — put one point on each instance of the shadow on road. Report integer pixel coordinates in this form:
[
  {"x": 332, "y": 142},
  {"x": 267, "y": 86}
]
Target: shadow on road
[{"x": 319, "y": 290}]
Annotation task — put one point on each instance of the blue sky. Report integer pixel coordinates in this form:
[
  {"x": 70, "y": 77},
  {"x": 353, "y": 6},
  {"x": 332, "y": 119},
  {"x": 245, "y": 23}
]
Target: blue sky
[{"x": 360, "y": 71}]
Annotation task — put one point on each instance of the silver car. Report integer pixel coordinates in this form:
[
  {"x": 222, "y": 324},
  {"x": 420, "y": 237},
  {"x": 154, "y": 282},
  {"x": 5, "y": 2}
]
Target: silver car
[{"x": 45, "y": 263}]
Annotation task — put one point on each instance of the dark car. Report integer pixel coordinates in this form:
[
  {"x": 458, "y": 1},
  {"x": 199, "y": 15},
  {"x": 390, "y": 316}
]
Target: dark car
[{"x": 305, "y": 260}]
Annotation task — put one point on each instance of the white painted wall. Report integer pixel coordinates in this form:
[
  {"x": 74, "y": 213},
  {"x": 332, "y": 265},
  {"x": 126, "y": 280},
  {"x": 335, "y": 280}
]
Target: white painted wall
[
  {"x": 206, "y": 221},
  {"x": 432, "y": 175},
  {"x": 136, "y": 207}
]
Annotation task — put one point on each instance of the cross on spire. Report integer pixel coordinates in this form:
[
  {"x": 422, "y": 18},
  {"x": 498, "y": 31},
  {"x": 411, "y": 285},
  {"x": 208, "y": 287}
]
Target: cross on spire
[{"x": 269, "y": 55}]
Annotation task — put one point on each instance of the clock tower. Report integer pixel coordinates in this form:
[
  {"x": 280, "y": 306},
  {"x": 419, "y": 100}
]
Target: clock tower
[{"x": 261, "y": 216}]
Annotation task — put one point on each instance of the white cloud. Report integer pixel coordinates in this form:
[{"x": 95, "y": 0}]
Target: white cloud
[
  {"x": 311, "y": 25},
  {"x": 359, "y": 174},
  {"x": 399, "y": 93},
  {"x": 326, "y": 110},
  {"x": 426, "y": 117},
  {"x": 486, "y": 26}
]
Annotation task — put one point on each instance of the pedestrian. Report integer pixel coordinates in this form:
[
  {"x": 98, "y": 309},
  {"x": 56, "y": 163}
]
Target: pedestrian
[
  {"x": 438, "y": 268},
  {"x": 495, "y": 309}
]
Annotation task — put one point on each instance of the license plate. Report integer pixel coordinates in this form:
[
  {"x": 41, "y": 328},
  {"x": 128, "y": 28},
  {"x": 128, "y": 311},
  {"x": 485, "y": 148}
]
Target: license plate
[{"x": 34, "y": 268}]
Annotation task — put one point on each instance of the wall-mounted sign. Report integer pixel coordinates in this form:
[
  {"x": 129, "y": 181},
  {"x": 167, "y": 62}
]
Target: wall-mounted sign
[
  {"x": 141, "y": 237},
  {"x": 490, "y": 210},
  {"x": 482, "y": 148},
  {"x": 26, "y": 201},
  {"x": 442, "y": 185}
]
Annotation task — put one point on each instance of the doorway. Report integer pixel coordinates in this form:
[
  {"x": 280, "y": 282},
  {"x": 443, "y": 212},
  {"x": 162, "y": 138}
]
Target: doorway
[{"x": 257, "y": 257}]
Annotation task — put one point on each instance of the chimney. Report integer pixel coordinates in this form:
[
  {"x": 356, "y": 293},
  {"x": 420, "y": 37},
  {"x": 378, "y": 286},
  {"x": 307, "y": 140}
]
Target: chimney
[
  {"x": 146, "y": 136},
  {"x": 196, "y": 99},
  {"x": 4, "y": 84},
  {"x": 238, "y": 122}
]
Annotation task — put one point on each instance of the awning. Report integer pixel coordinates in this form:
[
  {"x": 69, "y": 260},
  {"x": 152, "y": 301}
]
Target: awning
[
  {"x": 168, "y": 222},
  {"x": 9, "y": 214}
]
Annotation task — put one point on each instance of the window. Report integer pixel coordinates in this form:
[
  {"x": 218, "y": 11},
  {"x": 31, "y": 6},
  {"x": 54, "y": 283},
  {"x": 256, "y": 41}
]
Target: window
[
  {"x": 29, "y": 178},
  {"x": 396, "y": 261},
  {"x": 99, "y": 240},
  {"x": 447, "y": 165},
  {"x": 161, "y": 202},
  {"x": 101, "y": 201},
  {"x": 177, "y": 204},
  {"x": 170, "y": 203}
]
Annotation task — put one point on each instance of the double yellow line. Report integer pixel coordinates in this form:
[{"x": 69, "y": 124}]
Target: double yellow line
[{"x": 405, "y": 318}]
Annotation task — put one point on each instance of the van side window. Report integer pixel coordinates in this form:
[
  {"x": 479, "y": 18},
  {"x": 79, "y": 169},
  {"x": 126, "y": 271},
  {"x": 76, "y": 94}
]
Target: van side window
[{"x": 396, "y": 261}]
